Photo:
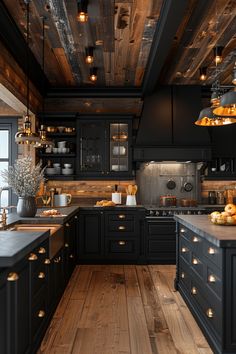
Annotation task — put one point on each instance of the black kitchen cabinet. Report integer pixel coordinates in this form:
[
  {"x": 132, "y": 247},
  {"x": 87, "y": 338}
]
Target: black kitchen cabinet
[
  {"x": 206, "y": 280},
  {"x": 160, "y": 240},
  {"x": 70, "y": 255},
  {"x": 111, "y": 236},
  {"x": 104, "y": 147},
  {"x": 90, "y": 237}
]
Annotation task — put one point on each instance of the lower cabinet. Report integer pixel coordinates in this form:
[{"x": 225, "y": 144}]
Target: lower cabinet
[
  {"x": 70, "y": 250},
  {"x": 111, "y": 236},
  {"x": 206, "y": 279},
  {"x": 160, "y": 237}
]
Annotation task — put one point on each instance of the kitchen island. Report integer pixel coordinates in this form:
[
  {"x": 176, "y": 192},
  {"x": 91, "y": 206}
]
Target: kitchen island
[{"x": 206, "y": 277}]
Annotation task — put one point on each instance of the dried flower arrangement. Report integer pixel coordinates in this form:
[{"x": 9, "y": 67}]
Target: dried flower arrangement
[{"x": 24, "y": 178}]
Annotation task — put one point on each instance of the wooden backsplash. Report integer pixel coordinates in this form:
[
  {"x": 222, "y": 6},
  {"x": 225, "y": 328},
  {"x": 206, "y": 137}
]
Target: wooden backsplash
[
  {"x": 207, "y": 186},
  {"x": 88, "y": 192}
]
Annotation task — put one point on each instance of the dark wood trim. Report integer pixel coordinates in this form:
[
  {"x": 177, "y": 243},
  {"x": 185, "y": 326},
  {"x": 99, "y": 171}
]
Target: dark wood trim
[
  {"x": 94, "y": 92},
  {"x": 15, "y": 43},
  {"x": 172, "y": 13}
]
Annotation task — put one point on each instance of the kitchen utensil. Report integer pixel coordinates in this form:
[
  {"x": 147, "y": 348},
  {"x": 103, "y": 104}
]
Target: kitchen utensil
[
  {"x": 188, "y": 186},
  {"x": 181, "y": 184},
  {"x": 131, "y": 200},
  {"x": 171, "y": 184},
  {"x": 188, "y": 202},
  {"x": 130, "y": 189},
  {"x": 168, "y": 200},
  {"x": 135, "y": 188}
]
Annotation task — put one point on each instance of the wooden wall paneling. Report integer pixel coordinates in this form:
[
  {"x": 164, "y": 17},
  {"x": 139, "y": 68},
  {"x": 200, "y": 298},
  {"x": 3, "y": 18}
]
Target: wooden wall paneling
[
  {"x": 64, "y": 66},
  {"x": 109, "y": 68},
  {"x": 14, "y": 79}
]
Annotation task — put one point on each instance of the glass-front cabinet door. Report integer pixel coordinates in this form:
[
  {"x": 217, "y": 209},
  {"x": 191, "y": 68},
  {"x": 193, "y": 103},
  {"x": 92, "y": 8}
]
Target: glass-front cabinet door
[
  {"x": 119, "y": 147},
  {"x": 91, "y": 147}
]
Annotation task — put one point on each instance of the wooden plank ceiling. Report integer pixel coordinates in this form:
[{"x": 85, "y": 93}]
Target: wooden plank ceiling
[{"x": 121, "y": 33}]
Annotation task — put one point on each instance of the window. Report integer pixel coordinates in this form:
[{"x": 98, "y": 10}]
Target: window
[{"x": 8, "y": 155}]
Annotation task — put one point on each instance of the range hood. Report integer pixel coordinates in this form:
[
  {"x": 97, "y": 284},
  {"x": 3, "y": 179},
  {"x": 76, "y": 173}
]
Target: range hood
[{"x": 167, "y": 130}]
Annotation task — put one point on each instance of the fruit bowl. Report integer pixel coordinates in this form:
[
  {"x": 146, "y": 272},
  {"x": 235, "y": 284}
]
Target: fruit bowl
[{"x": 226, "y": 217}]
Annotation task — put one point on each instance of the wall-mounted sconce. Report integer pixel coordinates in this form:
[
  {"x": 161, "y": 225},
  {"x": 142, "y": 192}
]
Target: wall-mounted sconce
[
  {"x": 89, "y": 55},
  {"x": 93, "y": 74}
]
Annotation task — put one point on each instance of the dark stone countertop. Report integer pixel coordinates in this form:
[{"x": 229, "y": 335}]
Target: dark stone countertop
[
  {"x": 220, "y": 235},
  {"x": 15, "y": 245}
]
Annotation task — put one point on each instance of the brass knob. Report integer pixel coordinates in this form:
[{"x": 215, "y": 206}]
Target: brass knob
[
  {"x": 13, "y": 276},
  {"x": 122, "y": 243},
  {"x": 210, "y": 313},
  {"x": 182, "y": 230},
  {"x": 42, "y": 250},
  {"x": 195, "y": 261},
  {"x": 212, "y": 278},
  {"x": 33, "y": 257},
  {"x": 71, "y": 256},
  {"x": 57, "y": 260},
  {"x": 183, "y": 249},
  {"x": 41, "y": 275},
  {"x": 195, "y": 239},
  {"x": 66, "y": 245},
  {"x": 41, "y": 313},
  {"x": 194, "y": 290},
  {"x": 121, "y": 216},
  {"x": 211, "y": 250},
  {"x": 182, "y": 275},
  {"x": 121, "y": 227},
  {"x": 47, "y": 261},
  {"x": 67, "y": 224}
]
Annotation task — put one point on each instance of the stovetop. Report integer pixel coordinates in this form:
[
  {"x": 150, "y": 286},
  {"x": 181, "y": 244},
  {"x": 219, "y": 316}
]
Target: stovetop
[{"x": 156, "y": 211}]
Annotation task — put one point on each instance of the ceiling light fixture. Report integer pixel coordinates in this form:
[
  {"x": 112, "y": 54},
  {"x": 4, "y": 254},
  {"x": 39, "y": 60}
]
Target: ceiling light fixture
[
  {"x": 203, "y": 73},
  {"x": 93, "y": 74},
  {"x": 218, "y": 50},
  {"x": 82, "y": 14},
  {"x": 234, "y": 74},
  {"x": 26, "y": 136},
  {"x": 89, "y": 55}
]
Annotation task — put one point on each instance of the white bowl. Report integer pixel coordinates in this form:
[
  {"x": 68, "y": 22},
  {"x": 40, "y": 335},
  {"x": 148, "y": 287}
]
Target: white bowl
[
  {"x": 67, "y": 171},
  {"x": 55, "y": 150},
  {"x": 50, "y": 171},
  {"x": 61, "y": 144},
  {"x": 67, "y": 165},
  {"x": 119, "y": 150},
  {"x": 56, "y": 165}
]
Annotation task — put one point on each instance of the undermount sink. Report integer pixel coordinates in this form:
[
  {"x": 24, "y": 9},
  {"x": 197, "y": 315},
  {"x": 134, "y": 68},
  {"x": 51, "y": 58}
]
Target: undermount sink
[{"x": 56, "y": 239}]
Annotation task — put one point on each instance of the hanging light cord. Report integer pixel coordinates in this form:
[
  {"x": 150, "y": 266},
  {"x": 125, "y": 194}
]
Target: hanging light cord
[
  {"x": 43, "y": 65},
  {"x": 27, "y": 57}
]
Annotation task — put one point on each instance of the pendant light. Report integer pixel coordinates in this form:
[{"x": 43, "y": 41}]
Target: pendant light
[
  {"x": 44, "y": 141},
  {"x": 26, "y": 136},
  {"x": 82, "y": 14}
]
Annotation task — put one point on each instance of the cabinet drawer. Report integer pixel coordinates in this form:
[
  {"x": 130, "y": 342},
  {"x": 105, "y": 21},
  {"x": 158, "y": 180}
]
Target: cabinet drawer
[
  {"x": 161, "y": 229},
  {"x": 38, "y": 314},
  {"x": 195, "y": 241},
  {"x": 120, "y": 216},
  {"x": 38, "y": 279},
  {"x": 163, "y": 245},
  {"x": 125, "y": 226},
  {"x": 184, "y": 277},
  {"x": 197, "y": 265},
  {"x": 185, "y": 251},
  {"x": 213, "y": 253},
  {"x": 214, "y": 280},
  {"x": 122, "y": 248}
]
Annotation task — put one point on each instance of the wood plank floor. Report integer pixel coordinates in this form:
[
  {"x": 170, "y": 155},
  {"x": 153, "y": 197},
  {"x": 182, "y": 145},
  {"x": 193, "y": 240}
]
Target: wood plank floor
[{"x": 120, "y": 309}]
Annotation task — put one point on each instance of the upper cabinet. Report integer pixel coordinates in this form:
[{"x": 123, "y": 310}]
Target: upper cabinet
[{"x": 104, "y": 147}]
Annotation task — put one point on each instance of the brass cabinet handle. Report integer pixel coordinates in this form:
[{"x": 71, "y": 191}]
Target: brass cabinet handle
[
  {"x": 182, "y": 230},
  {"x": 195, "y": 239},
  {"x": 42, "y": 250},
  {"x": 57, "y": 260},
  {"x": 194, "y": 290},
  {"x": 122, "y": 243},
  {"x": 66, "y": 245},
  {"x": 182, "y": 275},
  {"x": 41, "y": 313},
  {"x": 183, "y": 249},
  {"x": 195, "y": 261},
  {"x": 67, "y": 224},
  {"x": 121, "y": 216},
  {"x": 41, "y": 275},
  {"x": 121, "y": 227},
  {"x": 47, "y": 261},
  {"x": 71, "y": 256},
  {"x": 13, "y": 276},
  {"x": 211, "y": 250},
  {"x": 210, "y": 313},
  {"x": 33, "y": 257},
  {"x": 211, "y": 278}
]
